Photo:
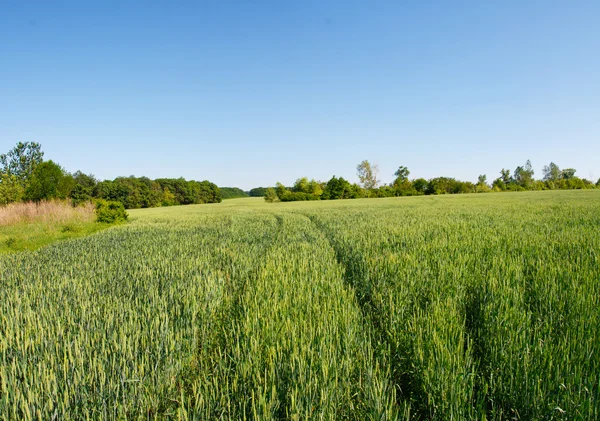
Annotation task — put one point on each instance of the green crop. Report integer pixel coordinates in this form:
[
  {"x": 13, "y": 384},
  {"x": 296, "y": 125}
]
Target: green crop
[{"x": 450, "y": 308}]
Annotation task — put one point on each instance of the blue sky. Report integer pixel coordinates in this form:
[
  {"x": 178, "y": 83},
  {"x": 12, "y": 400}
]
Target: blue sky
[{"x": 250, "y": 93}]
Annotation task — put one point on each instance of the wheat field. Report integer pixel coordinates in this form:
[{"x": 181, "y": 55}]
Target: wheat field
[{"x": 477, "y": 307}]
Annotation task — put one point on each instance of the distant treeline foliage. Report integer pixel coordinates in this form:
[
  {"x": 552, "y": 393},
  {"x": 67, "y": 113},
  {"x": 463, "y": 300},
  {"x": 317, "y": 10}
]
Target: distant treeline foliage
[
  {"x": 338, "y": 188},
  {"x": 232, "y": 192},
  {"x": 25, "y": 176},
  {"x": 258, "y": 192}
]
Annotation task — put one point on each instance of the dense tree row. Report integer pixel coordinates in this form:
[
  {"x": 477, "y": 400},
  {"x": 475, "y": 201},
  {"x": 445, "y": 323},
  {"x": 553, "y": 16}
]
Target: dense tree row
[
  {"x": 232, "y": 192},
  {"x": 338, "y": 188},
  {"x": 258, "y": 192},
  {"x": 24, "y": 175}
]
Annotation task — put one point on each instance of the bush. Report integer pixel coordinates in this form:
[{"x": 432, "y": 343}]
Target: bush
[
  {"x": 271, "y": 195},
  {"x": 298, "y": 197},
  {"x": 110, "y": 211}
]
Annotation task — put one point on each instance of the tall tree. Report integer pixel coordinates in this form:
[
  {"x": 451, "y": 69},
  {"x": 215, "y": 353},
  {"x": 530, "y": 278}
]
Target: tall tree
[
  {"x": 482, "y": 185},
  {"x": 10, "y": 189},
  {"x": 402, "y": 174},
  {"x": 568, "y": 173},
  {"x": 270, "y": 195},
  {"x": 49, "y": 181},
  {"x": 22, "y": 160},
  {"x": 524, "y": 175},
  {"x": 301, "y": 185},
  {"x": 551, "y": 172},
  {"x": 505, "y": 176},
  {"x": 367, "y": 174}
]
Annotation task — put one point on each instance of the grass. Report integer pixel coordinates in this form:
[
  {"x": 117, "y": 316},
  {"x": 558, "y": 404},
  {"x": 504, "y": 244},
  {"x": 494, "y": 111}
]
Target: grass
[
  {"x": 433, "y": 308},
  {"x": 30, "y": 226}
]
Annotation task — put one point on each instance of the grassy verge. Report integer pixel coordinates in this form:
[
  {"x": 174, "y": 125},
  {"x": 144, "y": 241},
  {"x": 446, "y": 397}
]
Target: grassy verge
[
  {"x": 32, "y": 236},
  {"x": 29, "y": 226}
]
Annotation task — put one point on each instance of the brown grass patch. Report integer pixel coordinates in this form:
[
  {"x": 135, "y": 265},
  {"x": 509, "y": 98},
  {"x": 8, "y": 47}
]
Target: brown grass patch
[{"x": 55, "y": 211}]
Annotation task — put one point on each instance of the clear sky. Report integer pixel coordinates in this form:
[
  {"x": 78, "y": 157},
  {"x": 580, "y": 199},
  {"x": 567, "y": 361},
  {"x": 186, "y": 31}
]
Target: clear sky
[{"x": 253, "y": 92}]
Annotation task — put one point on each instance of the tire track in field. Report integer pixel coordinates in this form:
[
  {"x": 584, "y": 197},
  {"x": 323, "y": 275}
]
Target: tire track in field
[
  {"x": 394, "y": 357},
  {"x": 212, "y": 365}
]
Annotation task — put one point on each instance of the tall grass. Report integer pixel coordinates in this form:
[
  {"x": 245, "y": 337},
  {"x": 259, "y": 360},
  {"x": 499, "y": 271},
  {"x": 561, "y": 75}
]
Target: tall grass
[{"x": 54, "y": 211}]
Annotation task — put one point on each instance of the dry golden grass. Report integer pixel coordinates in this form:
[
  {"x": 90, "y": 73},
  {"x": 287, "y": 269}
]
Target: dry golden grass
[{"x": 55, "y": 211}]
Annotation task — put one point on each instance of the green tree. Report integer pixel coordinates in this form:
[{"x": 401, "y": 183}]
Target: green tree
[
  {"x": 367, "y": 174},
  {"x": 505, "y": 176},
  {"x": 400, "y": 188},
  {"x": 524, "y": 175},
  {"x": 280, "y": 190},
  {"x": 402, "y": 174},
  {"x": 551, "y": 172},
  {"x": 337, "y": 188},
  {"x": 168, "y": 198},
  {"x": 301, "y": 185},
  {"x": 420, "y": 185},
  {"x": 22, "y": 160},
  {"x": 315, "y": 188},
  {"x": 568, "y": 173},
  {"x": 482, "y": 186},
  {"x": 10, "y": 189},
  {"x": 232, "y": 192},
  {"x": 83, "y": 190},
  {"x": 49, "y": 181},
  {"x": 257, "y": 192},
  {"x": 270, "y": 195}
]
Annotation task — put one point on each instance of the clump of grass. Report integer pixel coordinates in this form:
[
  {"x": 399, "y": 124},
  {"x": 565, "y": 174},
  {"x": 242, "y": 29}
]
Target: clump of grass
[
  {"x": 10, "y": 241},
  {"x": 53, "y": 211}
]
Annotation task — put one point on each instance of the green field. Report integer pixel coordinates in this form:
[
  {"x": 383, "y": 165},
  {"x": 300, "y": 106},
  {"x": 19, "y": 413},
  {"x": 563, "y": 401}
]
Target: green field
[{"x": 446, "y": 307}]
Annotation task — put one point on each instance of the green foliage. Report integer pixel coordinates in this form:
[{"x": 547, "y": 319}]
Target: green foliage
[
  {"x": 552, "y": 172},
  {"x": 108, "y": 211},
  {"x": 568, "y": 173},
  {"x": 49, "y": 181},
  {"x": 11, "y": 189},
  {"x": 168, "y": 198},
  {"x": 21, "y": 161},
  {"x": 290, "y": 196},
  {"x": 420, "y": 185},
  {"x": 280, "y": 190},
  {"x": 482, "y": 186},
  {"x": 83, "y": 190},
  {"x": 505, "y": 176},
  {"x": 523, "y": 176},
  {"x": 257, "y": 192},
  {"x": 232, "y": 192},
  {"x": 447, "y": 185},
  {"x": 401, "y": 174},
  {"x": 303, "y": 185},
  {"x": 367, "y": 174},
  {"x": 270, "y": 195},
  {"x": 135, "y": 193},
  {"x": 338, "y": 188},
  {"x": 403, "y": 187}
]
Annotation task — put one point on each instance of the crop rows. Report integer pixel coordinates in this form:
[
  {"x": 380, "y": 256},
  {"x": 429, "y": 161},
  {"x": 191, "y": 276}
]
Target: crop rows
[{"x": 463, "y": 307}]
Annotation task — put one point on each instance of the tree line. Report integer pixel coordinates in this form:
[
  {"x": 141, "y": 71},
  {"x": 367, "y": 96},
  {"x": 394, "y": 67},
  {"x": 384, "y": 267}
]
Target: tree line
[
  {"x": 521, "y": 179},
  {"x": 26, "y": 176},
  {"x": 232, "y": 192}
]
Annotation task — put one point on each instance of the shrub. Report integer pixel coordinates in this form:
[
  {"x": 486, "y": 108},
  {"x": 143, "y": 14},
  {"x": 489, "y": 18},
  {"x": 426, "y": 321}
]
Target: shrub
[
  {"x": 110, "y": 211},
  {"x": 270, "y": 195},
  {"x": 297, "y": 197}
]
